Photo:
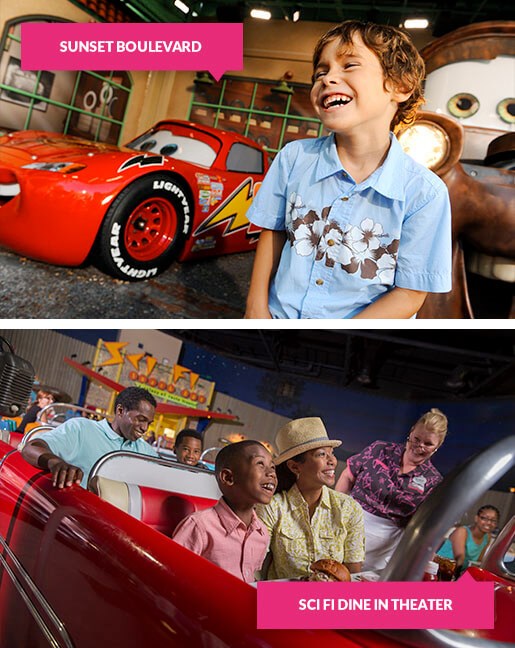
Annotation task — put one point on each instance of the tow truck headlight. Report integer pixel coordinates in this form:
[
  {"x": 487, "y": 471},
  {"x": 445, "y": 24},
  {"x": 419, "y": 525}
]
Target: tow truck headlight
[
  {"x": 434, "y": 140},
  {"x": 427, "y": 143}
]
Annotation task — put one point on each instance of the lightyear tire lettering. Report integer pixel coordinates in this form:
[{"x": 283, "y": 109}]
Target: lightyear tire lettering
[{"x": 145, "y": 228}]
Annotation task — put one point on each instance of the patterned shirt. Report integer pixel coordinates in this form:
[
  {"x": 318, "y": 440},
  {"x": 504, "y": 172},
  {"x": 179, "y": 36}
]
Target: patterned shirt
[
  {"x": 335, "y": 531},
  {"x": 379, "y": 487},
  {"x": 348, "y": 244},
  {"x": 222, "y": 537}
]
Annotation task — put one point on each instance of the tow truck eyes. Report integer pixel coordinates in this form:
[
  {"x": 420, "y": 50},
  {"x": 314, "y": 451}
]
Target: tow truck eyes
[
  {"x": 506, "y": 110},
  {"x": 463, "y": 105}
]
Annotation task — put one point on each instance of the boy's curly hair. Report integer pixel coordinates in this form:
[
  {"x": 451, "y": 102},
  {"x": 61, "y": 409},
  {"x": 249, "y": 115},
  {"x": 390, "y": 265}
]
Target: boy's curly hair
[{"x": 402, "y": 64}]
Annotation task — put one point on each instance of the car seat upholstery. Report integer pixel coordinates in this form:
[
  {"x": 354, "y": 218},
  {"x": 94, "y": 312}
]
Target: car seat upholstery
[{"x": 160, "y": 509}]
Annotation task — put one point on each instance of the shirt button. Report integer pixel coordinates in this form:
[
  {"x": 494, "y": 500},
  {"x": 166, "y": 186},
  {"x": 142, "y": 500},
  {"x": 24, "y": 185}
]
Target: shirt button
[
  {"x": 330, "y": 242},
  {"x": 319, "y": 282},
  {"x": 345, "y": 198}
]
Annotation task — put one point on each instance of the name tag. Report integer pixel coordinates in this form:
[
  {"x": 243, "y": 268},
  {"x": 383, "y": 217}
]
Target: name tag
[{"x": 418, "y": 483}]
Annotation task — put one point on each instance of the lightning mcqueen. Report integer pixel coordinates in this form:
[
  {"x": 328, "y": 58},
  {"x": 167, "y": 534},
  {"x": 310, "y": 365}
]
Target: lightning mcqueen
[
  {"x": 99, "y": 569},
  {"x": 179, "y": 191}
]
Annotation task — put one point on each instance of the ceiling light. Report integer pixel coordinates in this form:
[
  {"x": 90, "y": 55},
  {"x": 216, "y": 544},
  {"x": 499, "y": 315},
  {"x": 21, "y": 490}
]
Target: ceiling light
[
  {"x": 261, "y": 14},
  {"x": 292, "y": 15},
  {"x": 181, "y": 6},
  {"x": 416, "y": 23}
]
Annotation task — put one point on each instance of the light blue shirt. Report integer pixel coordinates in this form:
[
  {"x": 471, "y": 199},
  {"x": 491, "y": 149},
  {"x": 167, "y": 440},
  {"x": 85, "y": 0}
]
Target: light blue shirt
[
  {"x": 81, "y": 442},
  {"x": 347, "y": 243}
]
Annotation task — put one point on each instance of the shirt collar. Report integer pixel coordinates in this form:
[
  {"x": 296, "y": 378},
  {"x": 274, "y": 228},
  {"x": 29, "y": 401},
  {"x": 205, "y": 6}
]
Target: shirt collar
[
  {"x": 297, "y": 501},
  {"x": 423, "y": 468},
  {"x": 230, "y": 521},
  {"x": 325, "y": 500},
  {"x": 387, "y": 180},
  {"x": 112, "y": 434},
  {"x": 295, "y": 497},
  {"x": 108, "y": 430},
  {"x": 328, "y": 162},
  {"x": 390, "y": 176}
]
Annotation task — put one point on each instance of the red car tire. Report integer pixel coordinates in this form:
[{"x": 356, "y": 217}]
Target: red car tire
[{"x": 145, "y": 228}]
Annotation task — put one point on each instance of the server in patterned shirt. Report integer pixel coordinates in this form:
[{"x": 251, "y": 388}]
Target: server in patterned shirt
[
  {"x": 307, "y": 519},
  {"x": 390, "y": 481}
]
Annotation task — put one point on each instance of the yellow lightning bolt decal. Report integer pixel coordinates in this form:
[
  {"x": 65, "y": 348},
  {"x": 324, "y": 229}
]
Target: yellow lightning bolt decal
[
  {"x": 179, "y": 372},
  {"x": 151, "y": 363},
  {"x": 233, "y": 209},
  {"x": 114, "y": 349},
  {"x": 193, "y": 379},
  {"x": 134, "y": 359}
]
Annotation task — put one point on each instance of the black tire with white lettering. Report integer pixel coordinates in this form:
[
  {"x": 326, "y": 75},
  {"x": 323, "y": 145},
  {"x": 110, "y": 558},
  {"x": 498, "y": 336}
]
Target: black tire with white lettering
[{"x": 144, "y": 229}]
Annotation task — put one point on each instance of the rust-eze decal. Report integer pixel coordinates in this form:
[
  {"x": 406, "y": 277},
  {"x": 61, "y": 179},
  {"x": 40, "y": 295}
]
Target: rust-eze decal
[
  {"x": 210, "y": 191},
  {"x": 233, "y": 211},
  {"x": 205, "y": 243},
  {"x": 142, "y": 161}
]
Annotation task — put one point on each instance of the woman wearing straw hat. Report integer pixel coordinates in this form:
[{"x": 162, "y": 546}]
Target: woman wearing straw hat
[
  {"x": 307, "y": 519},
  {"x": 390, "y": 481}
]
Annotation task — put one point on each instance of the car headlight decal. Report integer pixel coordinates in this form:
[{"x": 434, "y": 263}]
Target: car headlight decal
[
  {"x": 56, "y": 167},
  {"x": 9, "y": 186}
]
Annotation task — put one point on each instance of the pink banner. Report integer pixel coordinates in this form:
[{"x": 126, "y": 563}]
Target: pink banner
[
  {"x": 216, "y": 47},
  {"x": 296, "y": 605}
]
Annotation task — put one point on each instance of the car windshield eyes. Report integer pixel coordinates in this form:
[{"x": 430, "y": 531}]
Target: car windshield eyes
[
  {"x": 151, "y": 145},
  {"x": 169, "y": 149},
  {"x": 148, "y": 145}
]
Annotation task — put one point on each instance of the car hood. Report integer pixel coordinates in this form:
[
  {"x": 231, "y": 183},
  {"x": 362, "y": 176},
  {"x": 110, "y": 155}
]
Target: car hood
[{"x": 24, "y": 147}]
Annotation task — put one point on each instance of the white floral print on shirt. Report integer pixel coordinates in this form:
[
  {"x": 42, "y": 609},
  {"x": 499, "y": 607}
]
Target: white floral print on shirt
[{"x": 355, "y": 248}]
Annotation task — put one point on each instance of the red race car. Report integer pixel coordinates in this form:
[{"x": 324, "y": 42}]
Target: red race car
[
  {"x": 179, "y": 191},
  {"x": 81, "y": 569}
]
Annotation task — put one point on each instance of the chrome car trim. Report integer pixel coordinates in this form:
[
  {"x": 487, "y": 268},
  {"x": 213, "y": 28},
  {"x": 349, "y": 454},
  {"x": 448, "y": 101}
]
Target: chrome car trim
[
  {"x": 494, "y": 558},
  {"x": 441, "y": 639},
  {"x": 44, "y": 427},
  {"x": 148, "y": 458},
  {"x": 154, "y": 472},
  {"x": 208, "y": 450},
  {"x": 3, "y": 459},
  {"x": 53, "y": 630},
  {"x": 58, "y": 413}
]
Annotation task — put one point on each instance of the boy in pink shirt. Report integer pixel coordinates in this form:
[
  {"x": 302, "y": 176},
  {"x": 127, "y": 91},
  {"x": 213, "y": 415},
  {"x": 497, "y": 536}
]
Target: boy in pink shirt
[{"x": 230, "y": 534}]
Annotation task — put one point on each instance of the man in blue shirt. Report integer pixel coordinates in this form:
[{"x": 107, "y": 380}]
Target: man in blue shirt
[
  {"x": 70, "y": 450},
  {"x": 353, "y": 227}
]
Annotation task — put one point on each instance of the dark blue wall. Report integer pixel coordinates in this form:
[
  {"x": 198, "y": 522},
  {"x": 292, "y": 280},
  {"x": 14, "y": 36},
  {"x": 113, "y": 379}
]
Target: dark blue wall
[{"x": 359, "y": 417}]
